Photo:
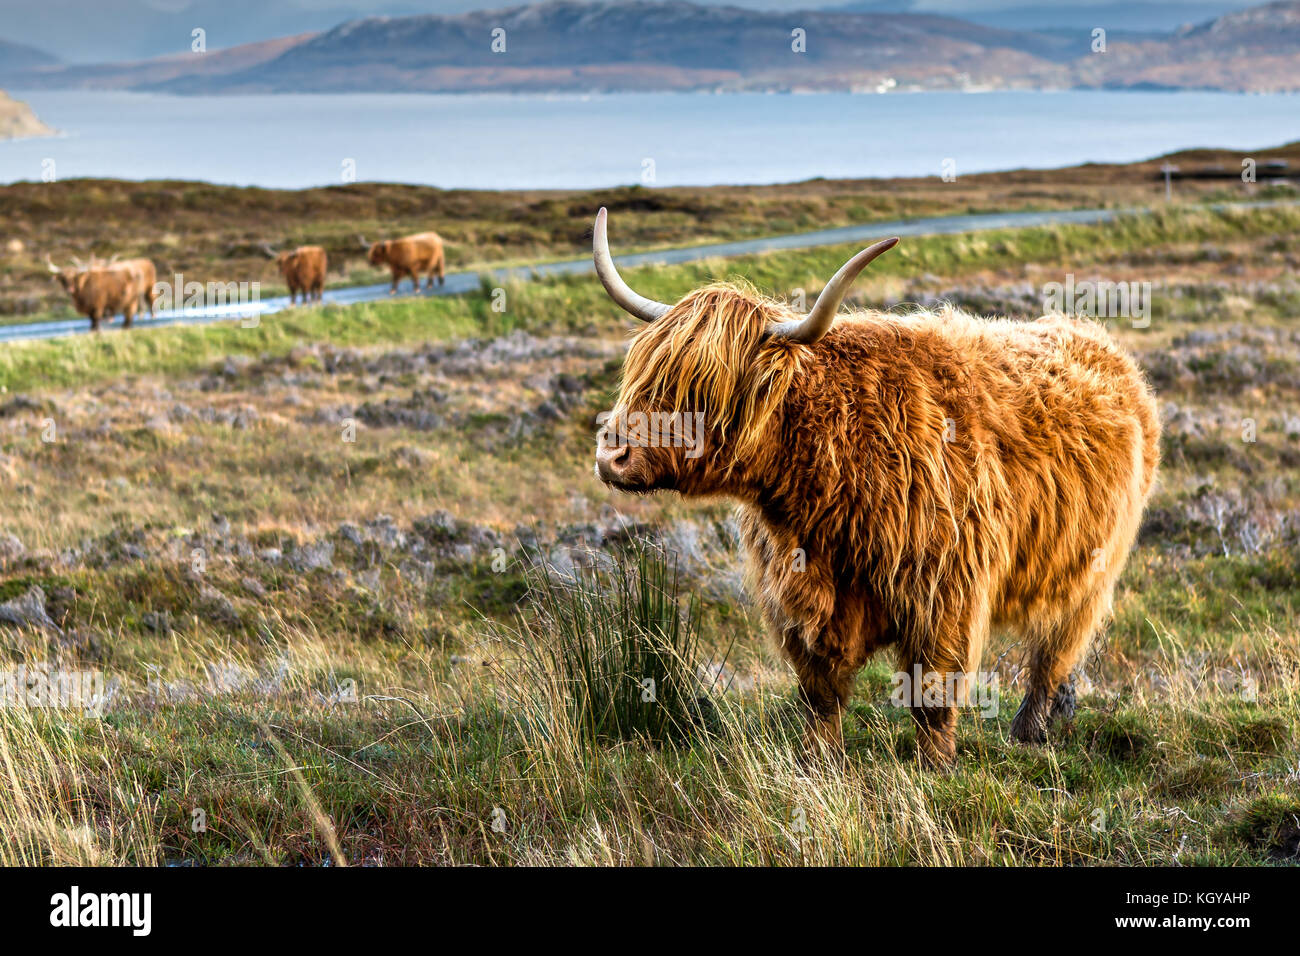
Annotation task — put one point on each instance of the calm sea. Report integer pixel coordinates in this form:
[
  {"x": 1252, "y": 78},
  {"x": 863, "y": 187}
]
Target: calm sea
[{"x": 499, "y": 141}]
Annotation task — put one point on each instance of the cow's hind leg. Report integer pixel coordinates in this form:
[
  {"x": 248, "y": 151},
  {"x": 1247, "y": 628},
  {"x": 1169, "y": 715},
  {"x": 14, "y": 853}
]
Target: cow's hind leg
[{"x": 1051, "y": 693}]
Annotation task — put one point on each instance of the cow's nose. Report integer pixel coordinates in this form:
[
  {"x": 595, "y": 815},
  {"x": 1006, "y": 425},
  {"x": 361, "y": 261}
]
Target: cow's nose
[{"x": 612, "y": 461}]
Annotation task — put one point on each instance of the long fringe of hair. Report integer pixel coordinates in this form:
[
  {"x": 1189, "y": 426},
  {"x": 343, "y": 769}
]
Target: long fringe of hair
[{"x": 715, "y": 359}]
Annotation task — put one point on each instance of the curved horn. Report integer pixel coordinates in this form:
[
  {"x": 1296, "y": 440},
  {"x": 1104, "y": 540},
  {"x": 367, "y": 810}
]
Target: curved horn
[
  {"x": 49, "y": 264},
  {"x": 818, "y": 322},
  {"x": 362, "y": 239},
  {"x": 647, "y": 310},
  {"x": 266, "y": 248}
]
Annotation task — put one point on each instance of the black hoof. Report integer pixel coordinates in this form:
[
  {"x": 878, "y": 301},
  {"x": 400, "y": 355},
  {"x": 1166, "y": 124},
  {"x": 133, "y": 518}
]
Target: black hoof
[{"x": 1028, "y": 726}]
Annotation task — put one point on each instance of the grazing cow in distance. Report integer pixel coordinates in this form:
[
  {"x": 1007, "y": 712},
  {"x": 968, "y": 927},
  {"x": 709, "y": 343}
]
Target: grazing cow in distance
[
  {"x": 412, "y": 256},
  {"x": 303, "y": 269},
  {"x": 905, "y": 481},
  {"x": 100, "y": 291}
]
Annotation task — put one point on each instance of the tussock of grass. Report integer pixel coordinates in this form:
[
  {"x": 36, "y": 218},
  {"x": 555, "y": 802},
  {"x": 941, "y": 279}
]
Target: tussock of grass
[
  {"x": 610, "y": 654},
  {"x": 1272, "y": 822}
]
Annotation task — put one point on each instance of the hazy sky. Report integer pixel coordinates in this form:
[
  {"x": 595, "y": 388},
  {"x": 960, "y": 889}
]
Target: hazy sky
[{"x": 112, "y": 30}]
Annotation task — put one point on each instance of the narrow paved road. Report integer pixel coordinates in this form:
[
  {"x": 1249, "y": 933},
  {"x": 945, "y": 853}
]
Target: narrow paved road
[{"x": 459, "y": 283}]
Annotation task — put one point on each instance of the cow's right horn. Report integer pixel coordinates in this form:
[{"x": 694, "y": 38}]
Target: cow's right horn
[
  {"x": 49, "y": 264},
  {"x": 270, "y": 253},
  {"x": 818, "y": 322},
  {"x": 647, "y": 310},
  {"x": 362, "y": 239}
]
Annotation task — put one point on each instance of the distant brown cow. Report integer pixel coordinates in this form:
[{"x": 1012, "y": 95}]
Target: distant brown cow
[
  {"x": 303, "y": 269},
  {"x": 100, "y": 291},
  {"x": 411, "y": 256}
]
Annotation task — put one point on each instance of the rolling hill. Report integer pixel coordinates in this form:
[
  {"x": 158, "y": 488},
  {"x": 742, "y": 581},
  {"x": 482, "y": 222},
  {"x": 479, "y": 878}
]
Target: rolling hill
[{"x": 618, "y": 45}]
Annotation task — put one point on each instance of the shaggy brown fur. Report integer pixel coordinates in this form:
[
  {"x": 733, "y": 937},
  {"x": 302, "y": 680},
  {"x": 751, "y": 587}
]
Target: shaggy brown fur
[
  {"x": 304, "y": 270},
  {"x": 412, "y": 256},
  {"x": 145, "y": 277},
  {"x": 908, "y": 481},
  {"x": 102, "y": 292}
]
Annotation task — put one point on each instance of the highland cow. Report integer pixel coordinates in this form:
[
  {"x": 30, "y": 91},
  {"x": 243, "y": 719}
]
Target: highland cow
[
  {"x": 303, "y": 269},
  {"x": 412, "y": 256},
  {"x": 905, "y": 481},
  {"x": 100, "y": 291}
]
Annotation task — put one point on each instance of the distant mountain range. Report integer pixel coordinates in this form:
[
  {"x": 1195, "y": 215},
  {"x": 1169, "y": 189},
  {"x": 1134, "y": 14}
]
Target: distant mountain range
[
  {"x": 1116, "y": 17},
  {"x": 98, "y": 31},
  {"x": 620, "y": 45}
]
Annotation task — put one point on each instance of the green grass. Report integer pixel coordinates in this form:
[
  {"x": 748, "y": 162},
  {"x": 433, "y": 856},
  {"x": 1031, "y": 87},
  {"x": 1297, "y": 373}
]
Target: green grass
[
  {"x": 609, "y": 653},
  {"x": 497, "y": 765}
]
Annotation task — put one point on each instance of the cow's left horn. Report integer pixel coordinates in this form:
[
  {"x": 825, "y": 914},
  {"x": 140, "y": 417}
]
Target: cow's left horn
[
  {"x": 818, "y": 322},
  {"x": 647, "y": 310},
  {"x": 49, "y": 264}
]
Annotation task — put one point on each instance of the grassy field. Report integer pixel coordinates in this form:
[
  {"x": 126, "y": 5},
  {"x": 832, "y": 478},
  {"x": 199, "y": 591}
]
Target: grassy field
[
  {"x": 215, "y": 233},
  {"x": 310, "y": 561}
]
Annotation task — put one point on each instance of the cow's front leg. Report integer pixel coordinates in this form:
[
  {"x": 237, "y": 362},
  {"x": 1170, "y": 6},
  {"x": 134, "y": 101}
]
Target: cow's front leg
[
  {"x": 937, "y": 686},
  {"x": 825, "y": 683}
]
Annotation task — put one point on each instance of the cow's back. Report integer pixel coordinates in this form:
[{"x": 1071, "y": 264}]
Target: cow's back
[
  {"x": 1068, "y": 427},
  {"x": 990, "y": 450},
  {"x": 423, "y": 248}
]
